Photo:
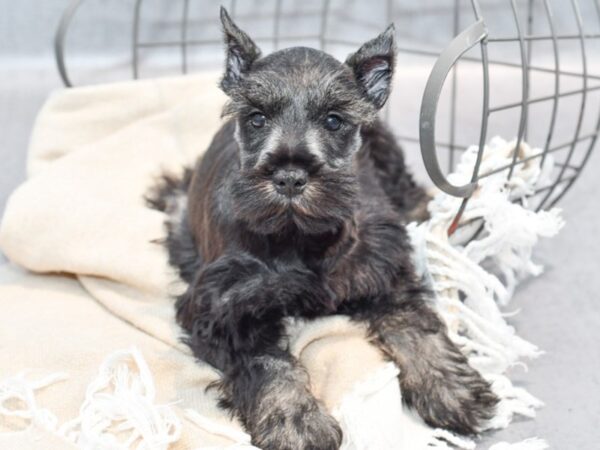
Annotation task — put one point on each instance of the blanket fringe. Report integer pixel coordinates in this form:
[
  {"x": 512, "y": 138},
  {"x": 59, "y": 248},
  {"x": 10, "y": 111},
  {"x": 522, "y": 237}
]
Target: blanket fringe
[
  {"x": 443, "y": 439},
  {"x": 20, "y": 391},
  {"x": 513, "y": 400},
  {"x": 527, "y": 444},
  {"x": 119, "y": 409}
]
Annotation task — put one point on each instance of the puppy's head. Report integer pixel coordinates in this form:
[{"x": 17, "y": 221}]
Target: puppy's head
[{"x": 298, "y": 115}]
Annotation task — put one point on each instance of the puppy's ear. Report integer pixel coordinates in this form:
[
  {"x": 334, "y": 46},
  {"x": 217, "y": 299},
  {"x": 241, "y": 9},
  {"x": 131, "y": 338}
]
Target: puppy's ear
[
  {"x": 241, "y": 52},
  {"x": 373, "y": 66}
]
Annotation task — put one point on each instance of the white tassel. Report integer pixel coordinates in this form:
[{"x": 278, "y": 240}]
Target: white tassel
[
  {"x": 444, "y": 439},
  {"x": 19, "y": 391},
  {"x": 119, "y": 410},
  {"x": 527, "y": 444}
]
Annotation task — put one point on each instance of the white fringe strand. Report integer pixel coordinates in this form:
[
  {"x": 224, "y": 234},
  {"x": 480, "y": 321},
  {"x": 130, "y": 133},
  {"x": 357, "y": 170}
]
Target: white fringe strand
[
  {"x": 119, "y": 411},
  {"x": 20, "y": 392},
  {"x": 527, "y": 444}
]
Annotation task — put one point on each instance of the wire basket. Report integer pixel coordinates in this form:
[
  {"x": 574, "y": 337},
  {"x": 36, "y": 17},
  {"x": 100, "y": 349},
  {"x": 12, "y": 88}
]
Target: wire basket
[{"x": 528, "y": 69}]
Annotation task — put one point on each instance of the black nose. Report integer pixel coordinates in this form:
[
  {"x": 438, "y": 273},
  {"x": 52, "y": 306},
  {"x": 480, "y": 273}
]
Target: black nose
[{"x": 290, "y": 182}]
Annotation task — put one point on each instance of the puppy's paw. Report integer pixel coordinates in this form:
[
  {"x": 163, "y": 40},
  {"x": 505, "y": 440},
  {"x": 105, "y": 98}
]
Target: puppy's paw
[
  {"x": 454, "y": 397},
  {"x": 298, "y": 427},
  {"x": 311, "y": 295}
]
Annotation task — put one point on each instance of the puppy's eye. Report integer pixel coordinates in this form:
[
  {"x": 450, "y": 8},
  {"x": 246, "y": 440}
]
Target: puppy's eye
[
  {"x": 333, "y": 122},
  {"x": 258, "y": 120}
]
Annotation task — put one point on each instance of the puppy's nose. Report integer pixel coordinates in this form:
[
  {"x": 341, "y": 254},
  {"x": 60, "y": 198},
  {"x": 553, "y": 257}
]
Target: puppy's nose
[{"x": 290, "y": 182}]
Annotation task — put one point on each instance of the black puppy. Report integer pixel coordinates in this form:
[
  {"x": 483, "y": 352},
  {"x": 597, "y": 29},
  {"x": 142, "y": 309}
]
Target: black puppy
[{"x": 297, "y": 209}]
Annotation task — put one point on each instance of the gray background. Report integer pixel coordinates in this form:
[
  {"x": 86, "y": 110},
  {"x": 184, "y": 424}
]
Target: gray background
[{"x": 559, "y": 310}]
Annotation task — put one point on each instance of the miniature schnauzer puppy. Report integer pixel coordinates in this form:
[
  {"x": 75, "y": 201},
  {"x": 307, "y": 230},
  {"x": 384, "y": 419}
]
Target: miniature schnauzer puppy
[{"x": 297, "y": 210}]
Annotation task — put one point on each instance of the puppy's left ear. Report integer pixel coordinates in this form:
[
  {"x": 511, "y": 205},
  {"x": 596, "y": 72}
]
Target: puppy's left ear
[
  {"x": 373, "y": 66},
  {"x": 241, "y": 52}
]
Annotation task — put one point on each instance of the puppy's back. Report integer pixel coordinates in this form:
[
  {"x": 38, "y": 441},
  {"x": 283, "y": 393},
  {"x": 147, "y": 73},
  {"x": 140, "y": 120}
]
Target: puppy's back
[
  {"x": 187, "y": 200},
  {"x": 407, "y": 197}
]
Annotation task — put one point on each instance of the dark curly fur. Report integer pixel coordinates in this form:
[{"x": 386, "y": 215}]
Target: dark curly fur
[{"x": 327, "y": 239}]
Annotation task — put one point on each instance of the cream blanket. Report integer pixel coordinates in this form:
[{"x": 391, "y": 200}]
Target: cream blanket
[{"x": 95, "y": 282}]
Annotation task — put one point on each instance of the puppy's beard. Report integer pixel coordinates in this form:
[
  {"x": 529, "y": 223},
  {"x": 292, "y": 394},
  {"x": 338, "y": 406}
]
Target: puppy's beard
[
  {"x": 325, "y": 204},
  {"x": 257, "y": 205}
]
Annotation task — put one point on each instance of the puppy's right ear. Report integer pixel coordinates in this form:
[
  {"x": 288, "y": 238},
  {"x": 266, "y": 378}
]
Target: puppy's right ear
[{"x": 241, "y": 52}]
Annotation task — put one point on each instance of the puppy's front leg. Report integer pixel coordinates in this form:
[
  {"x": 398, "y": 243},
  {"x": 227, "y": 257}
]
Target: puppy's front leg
[
  {"x": 270, "y": 393},
  {"x": 233, "y": 314},
  {"x": 435, "y": 377}
]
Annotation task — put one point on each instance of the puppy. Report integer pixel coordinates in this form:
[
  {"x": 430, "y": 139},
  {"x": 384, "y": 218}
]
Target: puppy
[{"x": 297, "y": 209}]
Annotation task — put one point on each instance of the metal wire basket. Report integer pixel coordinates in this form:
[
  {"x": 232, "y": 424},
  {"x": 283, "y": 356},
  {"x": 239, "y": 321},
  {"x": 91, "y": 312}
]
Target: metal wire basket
[{"x": 502, "y": 54}]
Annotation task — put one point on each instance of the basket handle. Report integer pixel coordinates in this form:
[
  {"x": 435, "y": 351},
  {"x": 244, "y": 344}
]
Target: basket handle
[
  {"x": 466, "y": 40},
  {"x": 59, "y": 40}
]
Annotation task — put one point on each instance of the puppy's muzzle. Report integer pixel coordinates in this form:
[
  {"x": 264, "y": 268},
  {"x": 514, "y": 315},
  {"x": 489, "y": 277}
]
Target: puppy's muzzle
[{"x": 290, "y": 182}]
